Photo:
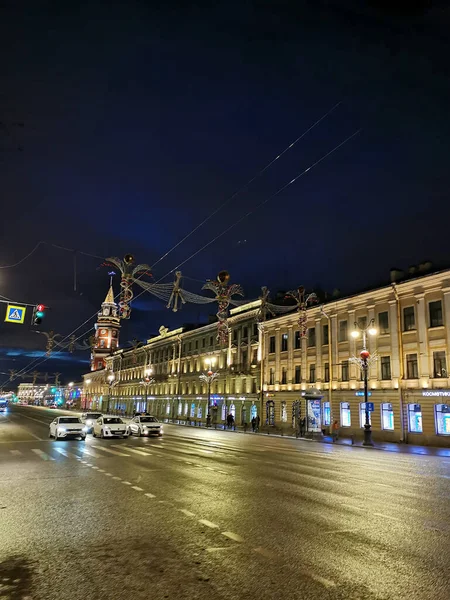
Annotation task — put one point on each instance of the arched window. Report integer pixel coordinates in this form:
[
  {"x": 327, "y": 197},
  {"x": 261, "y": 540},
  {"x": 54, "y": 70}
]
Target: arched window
[
  {"x": 253, "y": 411},
  {"x": 233, "y": 410}
]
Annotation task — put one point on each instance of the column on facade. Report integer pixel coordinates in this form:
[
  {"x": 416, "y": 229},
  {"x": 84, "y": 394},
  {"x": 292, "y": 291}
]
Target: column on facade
[
  {"x": 318, "y": 358},
  {"x": 354, "y": 369},
  {"x": 422, "y": 334},
  {"x": 447, "y": 322},
  {"x": 334, "y": 367},
  {"x": 277, "y": 355},
  {"x": 395, "y": 357},
  {"x": 290, "y": 366}
]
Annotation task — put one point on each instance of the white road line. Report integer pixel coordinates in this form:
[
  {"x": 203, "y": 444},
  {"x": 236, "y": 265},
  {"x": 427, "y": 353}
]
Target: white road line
[
  {"x": 325, "y": 582},
  {"x": 126, "y": 483},
  {"x": 96, "y": 468},
  {"x": 101, "y": 470},
  {"x": 138, "y": 489},
  {"x": 386, "y": 517},
  {"x": 42, "y": 454},
  {"x": 110, "y": 451},
  {"x": 208, "y": 524},
  {"x": 109, "y": 474},
  {"x": 223, "y": 472},
  {"x": 335, "y": 531},
  {"x": 117, "y": 478},
  {"x": 188, "y": 513},
  {"x": 210, "y": 468},
  {"x": 233, "y": 536},
  {"x": 63, "y": 452},
  {"x": 16, "y": 452},
  {"x": 150, "y": 495},
  {"x": 131, "y": 450}
]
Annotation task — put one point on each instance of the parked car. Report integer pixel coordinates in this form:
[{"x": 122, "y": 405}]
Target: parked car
[
  {"x": 67, "y": 427},
  {"x": 89, "y": 418},
  {"x": 145, "y": 425},
  {"x": 110, "y": 427}
]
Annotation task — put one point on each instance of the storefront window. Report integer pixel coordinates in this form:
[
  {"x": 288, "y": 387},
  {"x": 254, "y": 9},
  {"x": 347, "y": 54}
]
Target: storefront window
[
  {"x": 346, "y": 419},
  {"x": 185, "y": 408},
  {"x": 283, "y": 412},
  {"x": 193, "y": 410},
  {"x": 168, "y": 408},
  {"x": 224, "y": 412},
  {"x": 180, "y": 408},
  {"x": 387, "y": 416},
  {"x": 199, "y": 412},
  {"x": 415, "y": 418},
  {"x": 253, "y": 411},
  {"x": 233, "y": 410},
  {"x": 362, "y": 415},
  {"x": 326, "y": 413},
  {"x": 442, "y": 412}
]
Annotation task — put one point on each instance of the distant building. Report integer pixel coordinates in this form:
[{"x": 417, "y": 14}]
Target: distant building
[{"x": 106, "y": 332}]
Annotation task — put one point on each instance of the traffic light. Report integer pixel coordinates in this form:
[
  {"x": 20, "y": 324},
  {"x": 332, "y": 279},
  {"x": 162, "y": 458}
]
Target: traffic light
[{"x": 38, "y": 314}]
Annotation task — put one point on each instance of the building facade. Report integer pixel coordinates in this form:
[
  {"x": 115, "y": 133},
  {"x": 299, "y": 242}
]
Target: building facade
[
  {"x": 106, "y": 339},
  {"x": 408, "y": 378}
]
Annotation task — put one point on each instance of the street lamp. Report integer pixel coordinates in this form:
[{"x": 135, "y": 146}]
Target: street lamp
[
  {"x": 111, "y": 377},
  {"x": 364, "y": 362},
  {"x": 148, "y": 380},
  {"x": 208, "y": 378},
  {"x": 86, "y": 397}
]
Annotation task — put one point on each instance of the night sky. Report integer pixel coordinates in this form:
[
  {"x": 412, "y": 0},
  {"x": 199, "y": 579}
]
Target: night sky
[{"x": 140, "y": 119}]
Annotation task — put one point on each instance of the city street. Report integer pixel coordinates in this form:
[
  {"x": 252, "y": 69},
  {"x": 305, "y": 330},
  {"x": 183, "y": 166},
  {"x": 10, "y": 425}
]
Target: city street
[{"x": 204, "y": 514}]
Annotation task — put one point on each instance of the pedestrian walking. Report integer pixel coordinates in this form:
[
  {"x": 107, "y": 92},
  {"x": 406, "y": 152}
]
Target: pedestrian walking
[
  {"x": 335, "y": 431},
  {"x": 229, "y": 419},
  {"x": 258, "y": 421},
  {"x": 303, "y": 427},
  {"x": 253, "y": 424}
]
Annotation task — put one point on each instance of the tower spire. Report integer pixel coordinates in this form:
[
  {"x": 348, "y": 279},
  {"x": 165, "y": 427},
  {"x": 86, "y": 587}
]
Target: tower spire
[{"x": 107, "y": 328}]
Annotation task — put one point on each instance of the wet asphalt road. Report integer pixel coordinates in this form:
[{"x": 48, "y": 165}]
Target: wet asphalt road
[{"x": 217, "y": 515}]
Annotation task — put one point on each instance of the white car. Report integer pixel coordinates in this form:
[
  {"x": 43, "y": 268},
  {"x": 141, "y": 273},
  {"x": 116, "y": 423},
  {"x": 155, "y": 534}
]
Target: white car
[
  {"x": 145, "y": 425},
  {"x": 89, "y": 419},
  {"x": 110, "y": 427},
  {"x": 67, "y": 427}
]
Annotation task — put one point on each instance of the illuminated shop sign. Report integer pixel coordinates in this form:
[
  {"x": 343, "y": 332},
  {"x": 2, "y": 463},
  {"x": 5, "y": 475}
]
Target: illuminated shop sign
[{"x": 436, "y": 393}]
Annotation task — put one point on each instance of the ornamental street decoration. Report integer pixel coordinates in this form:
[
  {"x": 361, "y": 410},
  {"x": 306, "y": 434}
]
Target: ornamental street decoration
[
  {"x": 129, "y": 271},
  {"x": 302, "y": 300},
  {"x": 224, "y": 297}
]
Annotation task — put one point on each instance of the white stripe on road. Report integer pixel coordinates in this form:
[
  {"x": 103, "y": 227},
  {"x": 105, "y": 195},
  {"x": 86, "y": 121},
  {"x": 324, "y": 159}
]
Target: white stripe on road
[
  {"x": 42, "y": 454},
  {"x": 66, "y": 453},
  {"x": 233, "y": 536},
  {"x": 126, "y": 483},
  {"x": 16, "y": 452},
  {"x": 110, "y": 451},
  {"x": 188, "y": 513},
  {"x": 150, "y": 495},
  {"x": 109, "y": 474},
  {"x": 131, "y": 450},
  {"x": 208, "y": 524},
  {"x": 138, "y": 489},
  {"x": 117, "y": 478}
]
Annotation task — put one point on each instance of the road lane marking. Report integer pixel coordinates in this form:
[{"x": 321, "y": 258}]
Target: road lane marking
[
  {"x": 328, "y": 583},
  {"x": 115, "y": 452},
  {"x": 126, "y": 483},
  {"x": 386, "y": 517},
  {"x": 101, "y": 470},
  {"x": 16, "y": 452},
  {"x": 93, "y": 467},
  {"x": 66, "y": 453},
  {"x": 264, "y": 552},
  {"x": 131, "y": 450},
  {"x": 218, "y": 549},
  {"x": 150, "y": 495},
  {"x": 42, "y": 454},
  {"x": 109, "y": 474},
  {"x": 208, "y": 524},
  {"x": 138, "y": 489},
  {"x": 233, "y": 536},
  {"x": 188, "y": 513},
  {"x": 117, "y": 478}
]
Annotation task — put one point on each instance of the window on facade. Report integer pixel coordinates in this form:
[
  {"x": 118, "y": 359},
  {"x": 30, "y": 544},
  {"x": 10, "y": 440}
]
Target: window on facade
[
  {"x": 271, "y": 376},
  {"x": 325, "y": 335},
  {"x": 298, "y": 374},
  {"x": 385, "y": 367},
  {"x": 311, "y": 337},
  {"x": 255, "y": 328},
  {"x": 312, "y": 373},
  {"x": 439, "y": 364},
  {"x": 412, "y": 370},
  {"x": 297, "y": 340},
  {"x": 284, "y": 342},
  {"x": 326, "y": 413},
  {"x": 326, "y": 371},
  {"x": 196, "y": 344},
  {"x": 284, "y": 375},
  {"x": 409, "y": 318},
  {"x": 415, "y": 418},
  {"x": 235, "y": 335},
  {"x": 383, "y": 322},
  {"x": 245, "y": 332},
  {"x": 442, "y": 416},
  {"x": 203, "y": 342},
  {"x": 211, "y": 341},
  {"x": 387, "y": 416},
  {"x": 362, "y": 415},
  {"x": 435, "y": 309},
  {"x": 343, "y": 331},
  {"x": 344, "y": 367},
  {"x": 346, "y": 419},
  {"x": 190, "y": 346},
  {"x": 362, "y": 322},
  {"x": 283, "y": 412},
  {"x": 192, "y": 411},
  {"x": 272, "y": 344},
  {"x": 199, "y": 411},
  {"x": 244, "y": 357}
]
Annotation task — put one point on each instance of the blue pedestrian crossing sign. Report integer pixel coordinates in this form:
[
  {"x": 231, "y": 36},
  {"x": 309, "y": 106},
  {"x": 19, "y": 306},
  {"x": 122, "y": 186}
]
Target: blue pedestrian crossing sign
[{"x": 15, "y": 314}]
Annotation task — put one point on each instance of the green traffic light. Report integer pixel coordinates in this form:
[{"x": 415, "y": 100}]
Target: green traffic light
[{"x": 39, "y": 314}]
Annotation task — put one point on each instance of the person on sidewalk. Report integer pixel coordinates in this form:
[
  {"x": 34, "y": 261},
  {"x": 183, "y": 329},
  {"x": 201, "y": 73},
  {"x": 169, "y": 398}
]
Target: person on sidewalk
[
  {"x": 302, "y": 426},
  {"x": 335, "y": 431},
  {"x": 258, "y": 421},
  {"x": 253, "y": 424}
]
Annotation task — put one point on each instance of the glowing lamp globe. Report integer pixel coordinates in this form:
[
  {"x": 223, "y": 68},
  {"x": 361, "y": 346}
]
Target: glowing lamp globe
[
  {"x": 365, "y": 354},
  {"x": 210, "y": 373}
]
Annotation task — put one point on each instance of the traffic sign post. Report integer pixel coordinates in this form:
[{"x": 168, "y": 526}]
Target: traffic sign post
[
  {"x": 15, "y": 314},
  {"x": 370, "y": 407}
]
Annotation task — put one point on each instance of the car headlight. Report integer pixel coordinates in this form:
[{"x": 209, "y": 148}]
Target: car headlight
[
  {"x": 61, "y": 429},
  {"x": 85, "y": 429},
  {"x": 89, "y": 422}
]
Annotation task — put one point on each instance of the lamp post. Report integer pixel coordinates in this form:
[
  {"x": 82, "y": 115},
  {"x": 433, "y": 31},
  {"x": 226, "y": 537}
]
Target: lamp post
[
  {"x": 111, "y": 377},
  {"x": 86, "y": 397},
  {"x": 70, "y": 386},
  {"x": 208, "y": 378},
  {"x": 148, "y": 380},
  {"x": 364, "y": 362}
]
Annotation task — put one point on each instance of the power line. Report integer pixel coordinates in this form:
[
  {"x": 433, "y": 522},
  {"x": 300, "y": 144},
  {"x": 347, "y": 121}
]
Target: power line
[
  {"x": 241, "y": 189},
  {"x": 42, "y": 243}
]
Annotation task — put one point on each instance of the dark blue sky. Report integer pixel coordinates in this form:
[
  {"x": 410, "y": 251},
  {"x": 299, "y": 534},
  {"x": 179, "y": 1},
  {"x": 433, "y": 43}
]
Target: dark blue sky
[{"x": 139, "y": 120}]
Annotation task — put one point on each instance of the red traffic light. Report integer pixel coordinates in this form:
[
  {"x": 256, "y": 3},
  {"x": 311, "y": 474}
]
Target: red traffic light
[{"x": 40, "y": 308}]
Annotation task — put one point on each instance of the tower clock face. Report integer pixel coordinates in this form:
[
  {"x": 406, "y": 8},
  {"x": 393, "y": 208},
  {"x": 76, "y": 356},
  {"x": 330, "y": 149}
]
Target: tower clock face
[{"x": 103, "y": 331}]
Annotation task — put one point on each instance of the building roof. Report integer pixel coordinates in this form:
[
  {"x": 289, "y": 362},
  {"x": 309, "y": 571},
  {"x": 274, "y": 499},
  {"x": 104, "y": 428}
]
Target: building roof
[{"x": 109, "y": 296}]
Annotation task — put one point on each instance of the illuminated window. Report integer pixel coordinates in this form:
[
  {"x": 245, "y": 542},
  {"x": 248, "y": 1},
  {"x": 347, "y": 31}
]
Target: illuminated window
[
  {"x": 439, "y": 364},
  {"x": 283, "y": 412},
  {"x": 233, "y": 410},
  {"x": 387, "y": 416},
  {"x": 326, "y": 413},
  {"x": 442, "y": 415},
  {"x": 192, "y": 410},
  {"x": 415, "y": 418},
  {"x": 168, "y": 408},
  {"x": 253, "y": 411},
  {"x": 284, "y": 342},
  {"x": 199, "y": 411},
  {"x": 180, "y": 408},
  {"x": 186, "y": 408},
  {"x": 346, "y": 419},
  {"x": 362, "y": 415}
]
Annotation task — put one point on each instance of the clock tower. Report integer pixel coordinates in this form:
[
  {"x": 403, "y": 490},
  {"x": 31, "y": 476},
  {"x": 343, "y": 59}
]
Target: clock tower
[{"x": 107, "y": 328}]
